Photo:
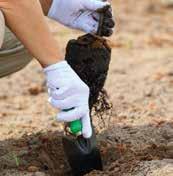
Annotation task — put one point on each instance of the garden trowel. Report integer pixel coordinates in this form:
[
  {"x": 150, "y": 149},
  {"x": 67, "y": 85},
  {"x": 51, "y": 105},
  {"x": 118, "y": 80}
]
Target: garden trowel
[{"x": 82, "y": 154}]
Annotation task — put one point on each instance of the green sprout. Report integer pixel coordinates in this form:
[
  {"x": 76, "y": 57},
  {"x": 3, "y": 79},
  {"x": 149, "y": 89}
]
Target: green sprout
[{"x": 16, "y": 159}]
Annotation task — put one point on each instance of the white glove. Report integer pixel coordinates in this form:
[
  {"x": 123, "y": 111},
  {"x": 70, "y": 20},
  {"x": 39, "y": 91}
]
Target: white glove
[
  {"x": 66, "y": 91},
  {"x": 77, "y": 14}
]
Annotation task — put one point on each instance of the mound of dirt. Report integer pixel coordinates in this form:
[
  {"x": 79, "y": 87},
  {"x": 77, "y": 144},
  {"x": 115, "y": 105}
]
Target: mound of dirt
[{"x": 154, "y": 168}]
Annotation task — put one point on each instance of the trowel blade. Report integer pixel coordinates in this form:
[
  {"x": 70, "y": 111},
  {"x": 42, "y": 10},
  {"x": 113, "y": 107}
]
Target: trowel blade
[{"x": 82, "y": 155}]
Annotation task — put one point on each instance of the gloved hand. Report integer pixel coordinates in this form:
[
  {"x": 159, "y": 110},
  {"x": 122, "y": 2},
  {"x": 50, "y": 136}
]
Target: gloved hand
[
  {"x": 66, "y": 91},
  {"x": 81, "y": 14}
]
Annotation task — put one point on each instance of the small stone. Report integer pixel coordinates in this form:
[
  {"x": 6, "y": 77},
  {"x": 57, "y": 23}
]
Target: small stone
[
  {"x": 54, "y": 124},
  {"x": 33, "y": 169},
  {"x": 10, "y": 132},
  {"x": 3, "y": 114},
  {"x": 61, "y": 166},
  {"x": 22, "y": 153},
  {"x": 170, "y": 146},
  {"x": 35, "y": 90},
  {"x": 116, "y": 169}
]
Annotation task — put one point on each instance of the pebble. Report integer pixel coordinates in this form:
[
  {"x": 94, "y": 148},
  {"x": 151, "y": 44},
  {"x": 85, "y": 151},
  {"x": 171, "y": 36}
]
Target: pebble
[
  {"x": 35, "y": 90},
  {"x": 33, "y": 169},
  {"x": 170, "y": 146},
  {"x": 54, "y": 124}
]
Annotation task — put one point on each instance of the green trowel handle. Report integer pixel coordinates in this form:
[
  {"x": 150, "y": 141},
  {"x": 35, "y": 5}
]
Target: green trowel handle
[{"x": 75, "y": 126}]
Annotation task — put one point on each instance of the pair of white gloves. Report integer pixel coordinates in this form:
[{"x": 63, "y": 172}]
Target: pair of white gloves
[{"x": 66, "y": 90}]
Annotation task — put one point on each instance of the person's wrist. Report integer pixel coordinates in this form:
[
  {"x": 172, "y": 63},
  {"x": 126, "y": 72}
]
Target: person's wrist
[
  {"x": 59, "y": 65},
  {"x": 51, "y": 54},
  {"x": 51, "y": 61}
]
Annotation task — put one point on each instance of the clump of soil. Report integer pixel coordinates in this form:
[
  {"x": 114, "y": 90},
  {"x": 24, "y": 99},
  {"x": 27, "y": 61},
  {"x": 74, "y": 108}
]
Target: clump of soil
[{"x": 90, "y": 56}]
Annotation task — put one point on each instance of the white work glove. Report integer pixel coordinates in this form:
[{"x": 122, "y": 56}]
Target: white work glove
[
  {"x": 66, "y": 91},
  {"x": 77, "y": 14}
]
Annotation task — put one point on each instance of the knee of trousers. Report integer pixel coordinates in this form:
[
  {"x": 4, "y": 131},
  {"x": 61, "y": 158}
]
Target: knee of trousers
[{"x": 13, "y": 55}]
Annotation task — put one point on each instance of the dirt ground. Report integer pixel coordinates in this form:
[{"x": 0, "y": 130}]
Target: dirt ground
[{"x": 137, "y": 140}]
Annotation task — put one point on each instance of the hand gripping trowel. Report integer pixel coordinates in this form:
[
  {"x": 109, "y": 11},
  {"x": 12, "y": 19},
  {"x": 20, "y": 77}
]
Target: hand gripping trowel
[{"x": 89, "y": 56}]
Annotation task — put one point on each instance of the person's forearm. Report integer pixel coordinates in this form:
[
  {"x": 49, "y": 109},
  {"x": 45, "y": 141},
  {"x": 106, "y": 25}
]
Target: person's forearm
[
  {"x": 45, "y": 4},
  {"x": 26, "y": 19}
]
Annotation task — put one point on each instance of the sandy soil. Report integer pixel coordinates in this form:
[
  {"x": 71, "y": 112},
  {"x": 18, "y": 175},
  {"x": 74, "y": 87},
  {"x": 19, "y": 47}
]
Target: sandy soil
[{"x": 138, "y": 139}]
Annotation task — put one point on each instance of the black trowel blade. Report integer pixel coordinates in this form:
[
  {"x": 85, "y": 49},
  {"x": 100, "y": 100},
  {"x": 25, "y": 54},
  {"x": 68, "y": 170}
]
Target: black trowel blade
[{"x": 82, "y": 155}]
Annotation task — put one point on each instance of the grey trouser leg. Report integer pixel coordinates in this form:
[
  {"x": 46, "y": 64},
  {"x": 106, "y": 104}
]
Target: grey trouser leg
[
  {"x": 2, "y": 28},
  {"x": 13, "y": 55}
]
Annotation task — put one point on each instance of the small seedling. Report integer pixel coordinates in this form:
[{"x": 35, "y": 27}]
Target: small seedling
[{"x": 16, "y": 159}]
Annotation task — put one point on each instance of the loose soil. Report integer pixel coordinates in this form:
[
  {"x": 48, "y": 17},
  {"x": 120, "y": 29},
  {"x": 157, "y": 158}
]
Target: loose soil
[{"x": 138, "y": 138}]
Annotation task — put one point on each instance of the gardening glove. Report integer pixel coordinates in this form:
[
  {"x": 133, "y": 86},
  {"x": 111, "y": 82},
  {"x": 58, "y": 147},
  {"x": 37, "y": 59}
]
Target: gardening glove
[
  {"x": 67, "y": 91},
  {"x": 81, "y": 14}
]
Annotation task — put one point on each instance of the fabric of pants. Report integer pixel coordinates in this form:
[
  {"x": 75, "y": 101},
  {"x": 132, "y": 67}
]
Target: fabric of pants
[
  {"x": 2, "y": 28},
  {"x": 13, "y": 55}
]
